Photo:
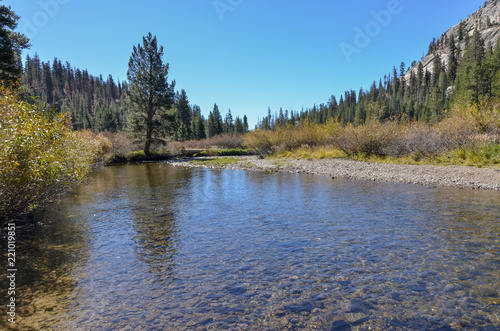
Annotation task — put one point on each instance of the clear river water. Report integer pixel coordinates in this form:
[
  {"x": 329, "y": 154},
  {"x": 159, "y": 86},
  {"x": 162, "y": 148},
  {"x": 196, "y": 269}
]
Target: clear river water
[{"x": 156, "y": 247}]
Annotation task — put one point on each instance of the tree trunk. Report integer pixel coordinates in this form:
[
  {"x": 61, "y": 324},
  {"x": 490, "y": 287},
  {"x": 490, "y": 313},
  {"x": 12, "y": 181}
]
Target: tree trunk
[
  {"x": 147, "y": 148},
  {"x": 149, "y": 135}
]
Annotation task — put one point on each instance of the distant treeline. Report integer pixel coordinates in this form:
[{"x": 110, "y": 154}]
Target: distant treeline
[
  {"x": 94, "y": 103},
  {"x": 470, "y": 71},
  {"x": 99, "y": 104}
]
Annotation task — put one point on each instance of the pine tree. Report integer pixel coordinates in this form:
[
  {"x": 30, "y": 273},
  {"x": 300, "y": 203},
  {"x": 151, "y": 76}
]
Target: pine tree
[
  {"x": 182, "y": 132},
  {"x": 238, "y": 126},
  {"x": 150, "y": 96},
  {"x": 11, "y": 45},
  {"x": 106, "y": 119},
  {"x": 493, "y": 70},
  {"x": 437, "y": 67},
  {"x": 471, "y": 76},
  {"x": 215, "y": 125},
  {"x": 245, "y": 123},
  {"x": 183, "y": 112},
  {"x": 229, "y": 123},
  {"x": 461, "y": 31},
  {"x": 452, "y": 60},
  {"x": 200, "y": 128}
]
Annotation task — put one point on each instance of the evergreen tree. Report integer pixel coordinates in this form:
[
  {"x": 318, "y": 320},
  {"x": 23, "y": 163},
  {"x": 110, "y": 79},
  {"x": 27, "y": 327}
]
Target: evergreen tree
[
  {"x": 238, "y": 126},
  {"x": 493, "y": 71},
  {"x": 229, "y": 123},
  {"x": 452, "y": 60},
  {"x": 106, "y": 119},
  {"x": 215, "y": 125},
  {"x": 437, "y": 67},
  {"x": 471, "y": 76},
  {"x": 197, "y": 124},
  {"x": 183, "y": 112},
  {"x": 402, "y": 69},
  {"x": 11, "y": 45},
  {"x": 150, "y": 96},
  {"x": 245, "y": 123},
  {"x": 201, "y": 128},
  {"x": 182, "y": 132},
  {"x": 461, "y": 31}
]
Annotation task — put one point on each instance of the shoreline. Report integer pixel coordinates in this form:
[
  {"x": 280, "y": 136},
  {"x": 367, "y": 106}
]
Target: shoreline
[{"x": 429, "y": 175}]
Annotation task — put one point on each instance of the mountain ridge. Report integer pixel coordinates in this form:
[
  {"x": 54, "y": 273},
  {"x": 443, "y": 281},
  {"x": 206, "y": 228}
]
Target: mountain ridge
[{"x": 486, "y": 20}]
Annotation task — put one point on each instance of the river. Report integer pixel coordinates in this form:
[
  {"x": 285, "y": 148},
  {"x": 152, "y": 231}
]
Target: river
[{"x": 156, "y": 247}]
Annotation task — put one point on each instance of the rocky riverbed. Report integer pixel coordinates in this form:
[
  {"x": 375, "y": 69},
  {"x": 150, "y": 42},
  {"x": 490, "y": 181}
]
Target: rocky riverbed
[{"x": 446, "y": 176}]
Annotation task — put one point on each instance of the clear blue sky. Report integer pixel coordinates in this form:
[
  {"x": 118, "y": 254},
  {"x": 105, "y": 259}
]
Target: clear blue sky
[{"x": 246, "y": 55}]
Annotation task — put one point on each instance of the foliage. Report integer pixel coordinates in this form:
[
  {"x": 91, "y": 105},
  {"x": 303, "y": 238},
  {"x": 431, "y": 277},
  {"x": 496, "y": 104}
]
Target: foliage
[
  {"x": 184, "y": 114},
  {"x": 11, "y": 44},
  {"x": 260, "y": 142},
  {"x": 371, "y": 138},
  {"x": 413, "y": 94},
  {"x": 321, "y": 152},
  {"x": 223, "y": 161},
  {"x": 222, "y": 141},
  {"x": 99, "y": 104},
  {"x": 214, "y": 124},
  {"x": 484, "y": 115},
  {"x": 472, "y": 128},
  {"x": 182, "y": 133},
  {"x": 150, "y": 96},
  {"x": 93, "y": 102},
  {"x": 289, "y": 137},
  {"x": 40, "y": 156},
  {"x": 222, "y": 152},
  {"x": 120, "y": 144}
]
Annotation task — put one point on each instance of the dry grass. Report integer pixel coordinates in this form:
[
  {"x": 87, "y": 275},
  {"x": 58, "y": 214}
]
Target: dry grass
[
  {"x": 121, "y": 144},
  {"x": 467, "y": 134},
  {"x": 222, "y": 141}
]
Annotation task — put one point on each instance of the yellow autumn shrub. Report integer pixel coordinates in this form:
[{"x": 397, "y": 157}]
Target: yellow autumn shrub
[{"x": 40, "y": 156}]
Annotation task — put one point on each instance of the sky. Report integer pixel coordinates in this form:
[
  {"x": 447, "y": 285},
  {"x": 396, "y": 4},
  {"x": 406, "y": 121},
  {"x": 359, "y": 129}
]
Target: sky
[{"x": 244, "y": 55}]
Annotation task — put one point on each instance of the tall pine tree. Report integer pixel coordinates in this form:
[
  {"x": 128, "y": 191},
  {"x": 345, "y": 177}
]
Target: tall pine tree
[{"x": 150, "y": 96}]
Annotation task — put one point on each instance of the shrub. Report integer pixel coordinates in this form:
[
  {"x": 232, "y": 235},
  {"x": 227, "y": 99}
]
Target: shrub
[
  {"x": 40, "y": 156},
  {"x": 373, "y": 138},
  {"x": 224, "y": 141},
  {"x": 121, "y": 144},
  {"x": 485, "y": 115},
  {"x": 305, "y": 135},
  {"x": 259, "y": 142},
  {"x": 421, "y": 140},
  {"x": 457, "y": 132}
]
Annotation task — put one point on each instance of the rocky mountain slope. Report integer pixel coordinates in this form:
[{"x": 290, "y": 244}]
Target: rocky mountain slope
[{"x": 486, "y": 20}]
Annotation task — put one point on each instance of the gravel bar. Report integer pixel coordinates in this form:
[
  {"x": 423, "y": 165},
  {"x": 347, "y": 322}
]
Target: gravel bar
[{"x": 446, "y": 176}]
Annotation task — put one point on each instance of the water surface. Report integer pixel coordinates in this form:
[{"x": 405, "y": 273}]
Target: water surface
[{"x": 155, "y": 247}]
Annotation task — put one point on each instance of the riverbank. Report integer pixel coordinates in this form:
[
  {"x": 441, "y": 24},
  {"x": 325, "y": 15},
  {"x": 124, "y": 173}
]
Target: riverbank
[{"x": 446, "y": 176}]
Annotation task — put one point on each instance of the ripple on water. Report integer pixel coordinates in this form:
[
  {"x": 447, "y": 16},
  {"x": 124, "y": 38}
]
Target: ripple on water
[{"x": 153, "y": 247}]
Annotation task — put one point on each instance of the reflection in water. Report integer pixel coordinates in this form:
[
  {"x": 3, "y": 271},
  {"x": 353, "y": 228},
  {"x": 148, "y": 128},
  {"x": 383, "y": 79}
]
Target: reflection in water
[{"x": 154, "y": 247}]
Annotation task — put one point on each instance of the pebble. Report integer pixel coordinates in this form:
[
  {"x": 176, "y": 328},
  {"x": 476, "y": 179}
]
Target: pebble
[{"x": 433, "y": 176}]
